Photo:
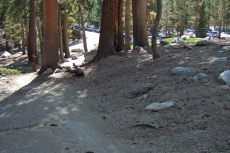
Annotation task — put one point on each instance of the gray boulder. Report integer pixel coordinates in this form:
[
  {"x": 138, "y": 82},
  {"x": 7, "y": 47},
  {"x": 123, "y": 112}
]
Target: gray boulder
[
  {"x": 204, "y": 43},
  {"x": 225, "y": 49},
  {"x": 219, "y": 59},
  {"x": 179, "y": 71},
  {"x": 224, "y": 78},
  {"x": 199, "y": 77},
  {"x": 90, "y": 55},
  {"x": 159, "y": 106}
]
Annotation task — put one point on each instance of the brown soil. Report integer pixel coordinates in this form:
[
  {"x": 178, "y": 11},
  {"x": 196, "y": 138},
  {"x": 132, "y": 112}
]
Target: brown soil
[{"x": 115, "y": 91}]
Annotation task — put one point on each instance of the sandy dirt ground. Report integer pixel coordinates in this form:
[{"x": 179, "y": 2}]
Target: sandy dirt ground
[{"x": 104, "y": 111}]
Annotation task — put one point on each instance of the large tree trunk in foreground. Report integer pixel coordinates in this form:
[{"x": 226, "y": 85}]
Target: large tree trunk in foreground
[
  {"x": 32, "y": 42},
  {"x": 50, "y": 55},
  {"x": 140, "y": 22},
  {"x": 127, "y": 25},
  {"x": 107, "y": 33},
  {"x": 156, "y": 29}
]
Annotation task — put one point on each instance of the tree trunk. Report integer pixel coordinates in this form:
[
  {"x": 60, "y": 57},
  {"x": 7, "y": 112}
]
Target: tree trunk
[
  {"x": 119, "y": 39},
  {"x": 197, "y": 15},
  {"x": 107, "y": 33},
  {"x": 60, "y": 36},
  {"x": 83, "y": 28},
  {"x": 127, "y": 24},
  {"x": 32, "y": 45},
  {"x": 140, "y": 22},
  {"x": 65, "y": 38},
  {"x": 7, "y": 44},
  {"x": 11, "y": 45},
  {"x": 50, "y": 39},
  {"x": 156, "y": 29},
  {"x": 39, "y": 27},
  {"x": 23, "y": 37}
]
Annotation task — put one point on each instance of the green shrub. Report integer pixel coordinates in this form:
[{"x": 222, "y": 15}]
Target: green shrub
[
  {"x": 190, "y": 40},
  {"x": 169, "y": 40},
  {"x": 7, "y": 71}
]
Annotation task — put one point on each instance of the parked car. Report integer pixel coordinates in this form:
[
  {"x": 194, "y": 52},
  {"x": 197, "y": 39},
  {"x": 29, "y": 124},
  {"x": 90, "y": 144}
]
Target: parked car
[{"x": 215, "y": 34}]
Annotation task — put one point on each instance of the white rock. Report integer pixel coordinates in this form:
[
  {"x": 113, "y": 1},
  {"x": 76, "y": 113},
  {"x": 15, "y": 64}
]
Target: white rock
[
  {"x": 3, "y": 78},
  {"x": 219, "y": 59},
  {"x": 74, "y": 56},
  {"x": 224, "y": 78},
  {"x": 199, "y": 77},
  {"x": 224, "y": 49},
  {"x": 179, "y": 70},
  {"x": 7, "y": 106},
  {"x": 159, "y": 106}
]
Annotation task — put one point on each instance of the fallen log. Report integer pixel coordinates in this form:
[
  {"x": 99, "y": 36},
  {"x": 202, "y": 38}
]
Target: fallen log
[{"x": 75, "y": 70}]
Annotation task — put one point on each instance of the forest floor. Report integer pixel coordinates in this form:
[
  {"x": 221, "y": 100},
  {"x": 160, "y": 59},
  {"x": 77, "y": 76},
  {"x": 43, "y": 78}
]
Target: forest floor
[{"x": 104, "y": 111}]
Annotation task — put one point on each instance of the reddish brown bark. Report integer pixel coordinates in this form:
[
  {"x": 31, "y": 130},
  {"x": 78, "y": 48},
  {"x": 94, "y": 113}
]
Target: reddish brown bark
[
  {"x": 50, "y": 40},
  {"x": 139, "y": 8},
  {"x": 127, "y": 24},
  {"x": 109, "y": 23},
  {"x": 32, "y": 43}
]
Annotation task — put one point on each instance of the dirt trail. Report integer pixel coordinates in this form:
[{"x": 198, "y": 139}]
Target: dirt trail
[{"x": 98, "y": 112}]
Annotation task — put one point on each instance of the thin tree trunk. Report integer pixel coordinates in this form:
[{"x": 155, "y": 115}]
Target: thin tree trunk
[
  {"x": 83, "y": 28},
  {"x": 39, "y": 34},
  {"x": 7, "y": 44},
  {"x": 119, "y": 39},
  {"x": 23, "y": 37},
  {"x": 156, "y": 29},
  {"x": 32, "y": 45},
  {"x": 127, "y": 25},
  {"x": 11, "y": 45},
  {"x": 60, "y": 36},
  {"x": 66, "y": 39}
]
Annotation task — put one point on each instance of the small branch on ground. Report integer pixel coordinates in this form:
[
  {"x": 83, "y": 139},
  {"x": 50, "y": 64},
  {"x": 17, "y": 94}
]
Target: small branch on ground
[
  {"x": 76, "y": 70},
  {"x": 145, "y": 125}
]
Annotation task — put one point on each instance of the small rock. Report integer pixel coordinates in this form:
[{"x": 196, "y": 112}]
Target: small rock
[
  {"x": 179, "y": 70},
  {"x": 224, "y": 49},
  {"x": 199, "y": 77},
  {"x": 224, "y": 78},
  {"x": 204, "y": 43},
  {"x": 219, "y": 59},
  {"x": 122, "y": 53},
  {"x": 177, "y": 40},
  {"x": 3, "y": 78},
  {"x": 7, "y": 106},
  {"x": 159, "y": 106},
  {"x": 90, "y": 55},
  {"x": 48, "y": 71},
  {"x": 74, "y": 56},
  {"x": 77, "y": 50}
]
